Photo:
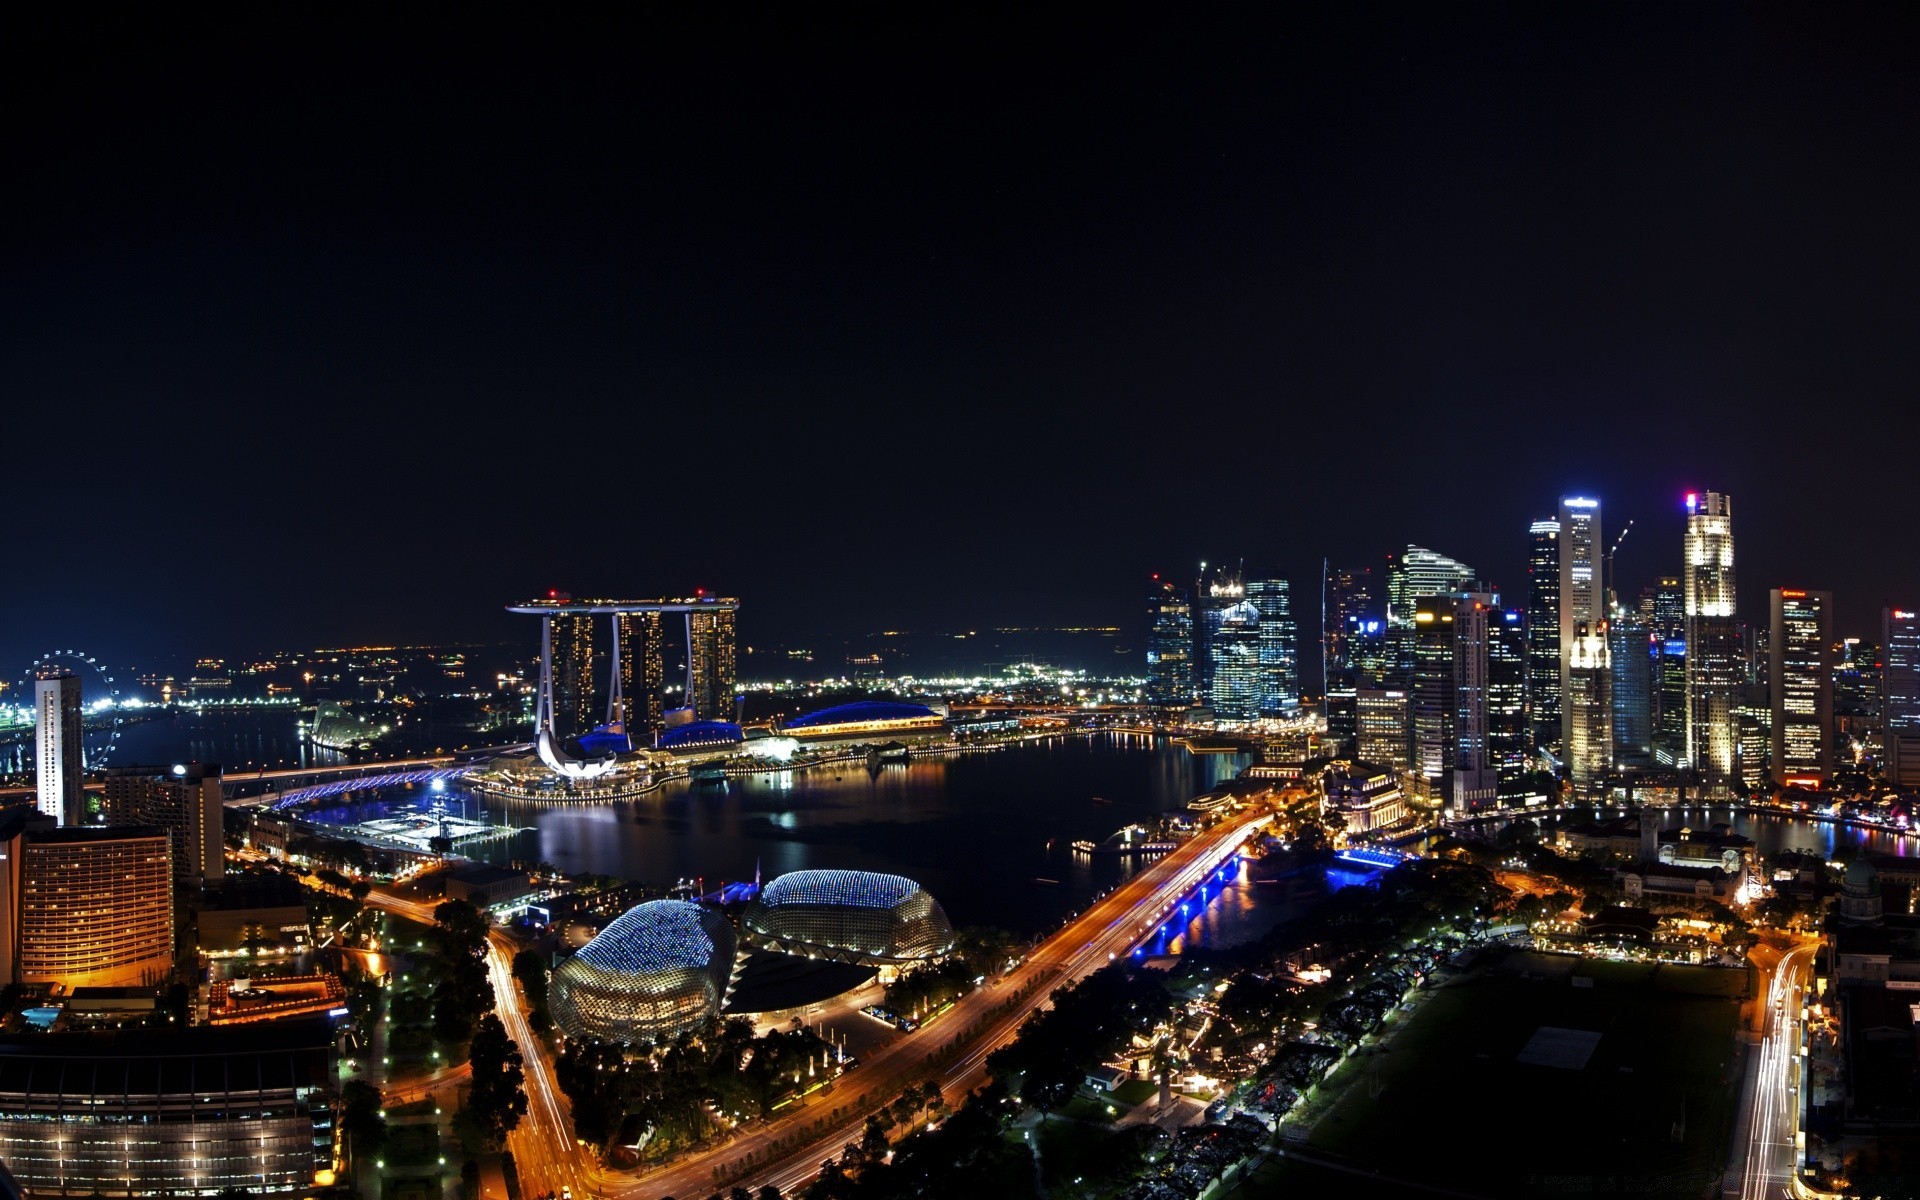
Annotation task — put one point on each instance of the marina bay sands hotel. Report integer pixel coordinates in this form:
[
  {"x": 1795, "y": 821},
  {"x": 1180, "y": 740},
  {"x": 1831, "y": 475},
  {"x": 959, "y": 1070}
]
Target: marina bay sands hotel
[{"x": 626, "y": 644}]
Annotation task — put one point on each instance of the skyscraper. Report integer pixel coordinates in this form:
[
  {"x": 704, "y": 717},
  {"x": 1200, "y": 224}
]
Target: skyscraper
[
  {"x": 1230, "y": 641},
  {"x": 1630, "y": 646},
  {"x": 1800, "y": 681},
  {"x": 1589, "y": 707},
  {"x": 1348, "y": 604},
  {"x": 1507, "y": 732},
  {"x": 187, "y": 801},
  {"x": 643, "y": 674},
  {"x": 1431, "y": 705},
  {"x": 1583, "y": 596},
  {"x": 1419, "y": 572},
  {"x": 1543, "y": 635},
  {"x": 1900, "y": 694},
  {"x": 84, "y": 907},
  {"x": 1663, "y": 609},
  {"x": 1169, "y": 644},
  {"x": 1670, "y": 702},
  {"x": 1279, "y": 650},
  {"x": 59, "y": 740},
  {"x": 1475, "y": 781},
  {"x": 710, "y": 669},
  {"x": 1714, "y": 661},
  {"x": 1381, "y": 717},
  {"x": 574, "y": 672}
]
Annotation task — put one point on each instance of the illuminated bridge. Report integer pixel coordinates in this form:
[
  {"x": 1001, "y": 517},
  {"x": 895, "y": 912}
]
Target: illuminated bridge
[{"x": 320, "y": 791}]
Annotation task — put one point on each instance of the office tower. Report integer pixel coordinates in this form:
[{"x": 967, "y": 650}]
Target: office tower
[
  {"x": 1583, "y": 593},
  {"x": 643, "y": 674},
  {"x": 1419, "y": 572},
  {"x": 1381, "y": 715},
  {"x": 575, "y": 707},
  {"x": 1474, "y": 784},
  {"x": 1279, "y": 650},
  {"x": 1507, "y": 732},
  {"x": 1663, "y": 610},
  {"x": 1800, "y": 682},
  {"x": 1630, "y": 646},
  {"x": 59, "y": 741},
  {"x": 1900, "y": 695},
  {"x": 186, "y": 800},
  {"x": 1431, "y": 705},
  {"x": 1169, "y": 644},
  {"x": 1230, "y": 625},
  {"x": 1343, "y": 716},
  {"x": 1348, "y": 605},
  {"x": 1543, "y": 636},
  {"x": 1588, "y": 702},
  {"x": 710, "y": 668},
  {"x": 1714, "y": 660},
  {"x": 86, "y": 906},
  {"x": 1670, "y": 702}
]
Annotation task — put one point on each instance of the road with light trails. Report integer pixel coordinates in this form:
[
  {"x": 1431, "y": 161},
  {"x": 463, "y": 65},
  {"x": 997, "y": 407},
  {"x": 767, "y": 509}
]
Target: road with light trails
[
  {"x": 1108, "y": 930},
  {"x": 544, "y": 1151},
  {"x": 1772, "y": 1105}
]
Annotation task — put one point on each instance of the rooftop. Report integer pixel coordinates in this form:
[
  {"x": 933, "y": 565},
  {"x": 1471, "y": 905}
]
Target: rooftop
[{"x": 862, "y": 710}]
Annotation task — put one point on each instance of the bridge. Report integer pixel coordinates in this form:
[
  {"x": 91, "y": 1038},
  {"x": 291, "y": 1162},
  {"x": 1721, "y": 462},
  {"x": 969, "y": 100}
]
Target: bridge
[{"x": 320, "y": 791}]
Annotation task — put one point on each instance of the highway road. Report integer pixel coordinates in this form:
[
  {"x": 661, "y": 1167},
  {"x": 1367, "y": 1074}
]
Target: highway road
[
  {"x": 1772, "y": 1104},
  {"x": 548, "y": 1158}
]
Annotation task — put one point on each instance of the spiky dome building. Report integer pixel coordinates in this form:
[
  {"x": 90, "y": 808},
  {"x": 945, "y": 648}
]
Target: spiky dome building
[
  {"x": 849, "y": 916},
  {"x": 658, "y": 970}
]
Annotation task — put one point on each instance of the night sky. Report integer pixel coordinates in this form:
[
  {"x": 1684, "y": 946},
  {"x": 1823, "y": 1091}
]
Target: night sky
[{"x": 352, "y": 331}]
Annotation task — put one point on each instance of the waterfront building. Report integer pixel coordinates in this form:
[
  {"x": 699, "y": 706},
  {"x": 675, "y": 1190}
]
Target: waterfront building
[
  {"x": 1279, "y": 647},
  {"x": 1588, "y": 710},
  {"x": 1507, "y": 732},
  {"x": 1231, "y": 682},
  {"x": 574, "y": 661},
  {"x": 1800, "y": 682},
  {"x": 1856, "y": 700},
  {"x": 1583, "y": 595},
  {"x": 1543, "y": 636},
  {"x": 864, "y": 721},
  {"x": 1169, "y": 644},
  {"x": 1753, "y": 735},
  {"x": 85, "y": 906},
  {"x": 1381, "y": 725},
  {"x": 59, "y": 741},
  {"x": 1630, "y": 646},
  {"x": 711, "y": 663},
  {"x": 659, "y": 970},
  {"x": 1714, "y": 659},
  {"x": 849, "y": 916},
  {"x": 1669, "y": 702},
  {"x": 188, "y": 802},
  {"x": 643, "y": 678},
  {"x": 1361, "y": 797},
  {"x": 1900, "y": 695},
  {"x": 194, "y": 1112}
]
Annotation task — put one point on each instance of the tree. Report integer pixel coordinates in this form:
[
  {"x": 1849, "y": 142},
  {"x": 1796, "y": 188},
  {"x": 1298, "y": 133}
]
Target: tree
[
  {"x": 498, "y": 1097},
  {"x": 361, "y": 1119}
]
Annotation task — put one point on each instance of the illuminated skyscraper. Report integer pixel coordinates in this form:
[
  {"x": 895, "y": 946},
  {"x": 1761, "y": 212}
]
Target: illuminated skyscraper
[
  {"x": 1419, "y": 572},
  {"x": 1589, "y": 707},
  {"x": 188, "y": 802},
  {"x": 1451, "y": 759},
  {"x": 1507, "y": 733},
  {"x": 1230, "y": 643},
  {"x": 1543, "y": 635},
  {"x": 1475, "y": 781},
  {"x": 1583, "y": 595},
  {"x": 642, "y": 674},
  {"x": 1349, "y": 603},
  {"x": 1800, "y": 681},
  {"x": 1663, "y": 609},
  {"x": 710, "y": 671},
  {"x": 85, "y": 907},
  {"x": 1381, "y": 716},
  {"x": 1630, "y": 646},
  {"x": 1670, "y": 702},
  {"x": 1715, "y": 665},
  {"x": 576, "y": 710},
  {"x": 59, "y": 740},
  {"x": 1169, "y": 644},
  {"x": 1279, "y": 651},
  {"x": 1900, "y": 694}
]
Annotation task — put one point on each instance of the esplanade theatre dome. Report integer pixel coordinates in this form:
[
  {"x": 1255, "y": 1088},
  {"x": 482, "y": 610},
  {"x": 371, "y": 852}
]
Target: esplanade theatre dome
[
  {"x": 657, "y": 970},
  {"x": 850, "y": 916}
]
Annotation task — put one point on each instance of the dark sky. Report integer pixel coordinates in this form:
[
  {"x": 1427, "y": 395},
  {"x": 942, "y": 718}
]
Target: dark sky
[{"x": 326, "y": 328}]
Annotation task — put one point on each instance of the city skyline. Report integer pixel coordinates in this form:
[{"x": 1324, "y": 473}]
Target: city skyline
[{"x": 309, "y": 329}]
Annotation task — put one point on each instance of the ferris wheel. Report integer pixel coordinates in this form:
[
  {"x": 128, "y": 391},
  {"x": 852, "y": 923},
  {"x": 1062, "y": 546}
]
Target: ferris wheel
[{"x": 95, "y": 685}]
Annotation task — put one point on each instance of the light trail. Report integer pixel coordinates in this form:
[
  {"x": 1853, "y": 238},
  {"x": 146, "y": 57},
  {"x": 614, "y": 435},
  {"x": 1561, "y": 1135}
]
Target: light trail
[{"x": 1771, "y": 1167}]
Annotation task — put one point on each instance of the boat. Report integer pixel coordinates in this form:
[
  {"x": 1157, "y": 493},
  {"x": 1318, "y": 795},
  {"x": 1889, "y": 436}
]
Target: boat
[
  {"x": 1044, "y": 879},
  {"x": 1101, "y": 800}
]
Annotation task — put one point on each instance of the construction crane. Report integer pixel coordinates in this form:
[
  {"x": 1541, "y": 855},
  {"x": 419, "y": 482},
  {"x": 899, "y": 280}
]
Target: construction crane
[{"x": 1613, "y": 599}]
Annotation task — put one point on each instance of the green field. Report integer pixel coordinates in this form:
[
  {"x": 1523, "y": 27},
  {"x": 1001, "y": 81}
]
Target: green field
[{"x": 1444, "y": 1101}]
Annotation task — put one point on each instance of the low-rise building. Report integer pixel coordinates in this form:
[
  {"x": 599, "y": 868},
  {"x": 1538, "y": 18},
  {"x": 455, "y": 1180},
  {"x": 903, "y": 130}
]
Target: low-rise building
[
  {"x": 1362, "y": 797},
  {"x": 259, "y": 912}
]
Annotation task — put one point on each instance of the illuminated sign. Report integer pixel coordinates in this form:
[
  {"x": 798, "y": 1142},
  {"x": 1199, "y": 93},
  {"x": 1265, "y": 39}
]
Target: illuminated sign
[
  {"x": 1902, "y": 616},
  {"x": 1693, "y": 501},
  {"x": 1792, "y": 595},
  {"x": 1580, "y": 502}
]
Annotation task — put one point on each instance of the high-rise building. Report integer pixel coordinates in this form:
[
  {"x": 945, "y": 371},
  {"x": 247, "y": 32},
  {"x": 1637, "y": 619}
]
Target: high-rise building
[
  {"x": 1419, "y": 572},
  {"x": 59, "y": 742},
  {"x": 1452, "y": 763},
  {"x": 1900, "y": 695},
  {"x": 1431, "y": 704},
  {"x": 1588, "y": 701},
  {"x": 1169, "y": 644},
  {"x": 1279, "y": 650},
  {"x": 1543, "y": 636},
  {"x": 1800, "y": 682},
  {"x": 643, "y": 675},
  {"x": 1475, "y": 781},
  {"x": 85, "y": 906},
  {"x": 1670, "y": 702},
  {"x": 187, "y": 801},
  {"x": 710, "y": 671},
  {"x": 1663, "y": 609},
  {"x": 1715, "y": 663},
  {"x": 1231, "y": 683},
  {"x": 1630, "y": 646},
  {"x": 575, "y": 663},
  {"x": 1583, "y": 593},
  {"x": 1350, "y": 602},
  {"x": 1507, "y": 732},
  {"x": 1381, "y": 714}
]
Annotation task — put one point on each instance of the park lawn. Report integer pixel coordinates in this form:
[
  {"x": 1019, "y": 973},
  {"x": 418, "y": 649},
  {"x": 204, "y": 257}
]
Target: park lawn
[
  {"x": 1444, "y": 1100},
  {"x": 1136, "y": 1092}
]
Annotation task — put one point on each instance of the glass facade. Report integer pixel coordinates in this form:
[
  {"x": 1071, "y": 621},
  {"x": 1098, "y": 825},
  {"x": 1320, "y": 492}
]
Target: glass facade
[
  {"x": 1900, "y": 694},
  {"x": 853, "y": 916},
  {"x": 1169, "y": 644},
  {"x": 1543, "y": 635},
  {"x": 1630, "y": 644},
  {"x": 1507, "y": 698},
  {"x": 660, "y": 969},
  {"x": 1715, "y": 665},
  {"x": 1800, "y": 679},
  {"x": 1279, "y": 647}
]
